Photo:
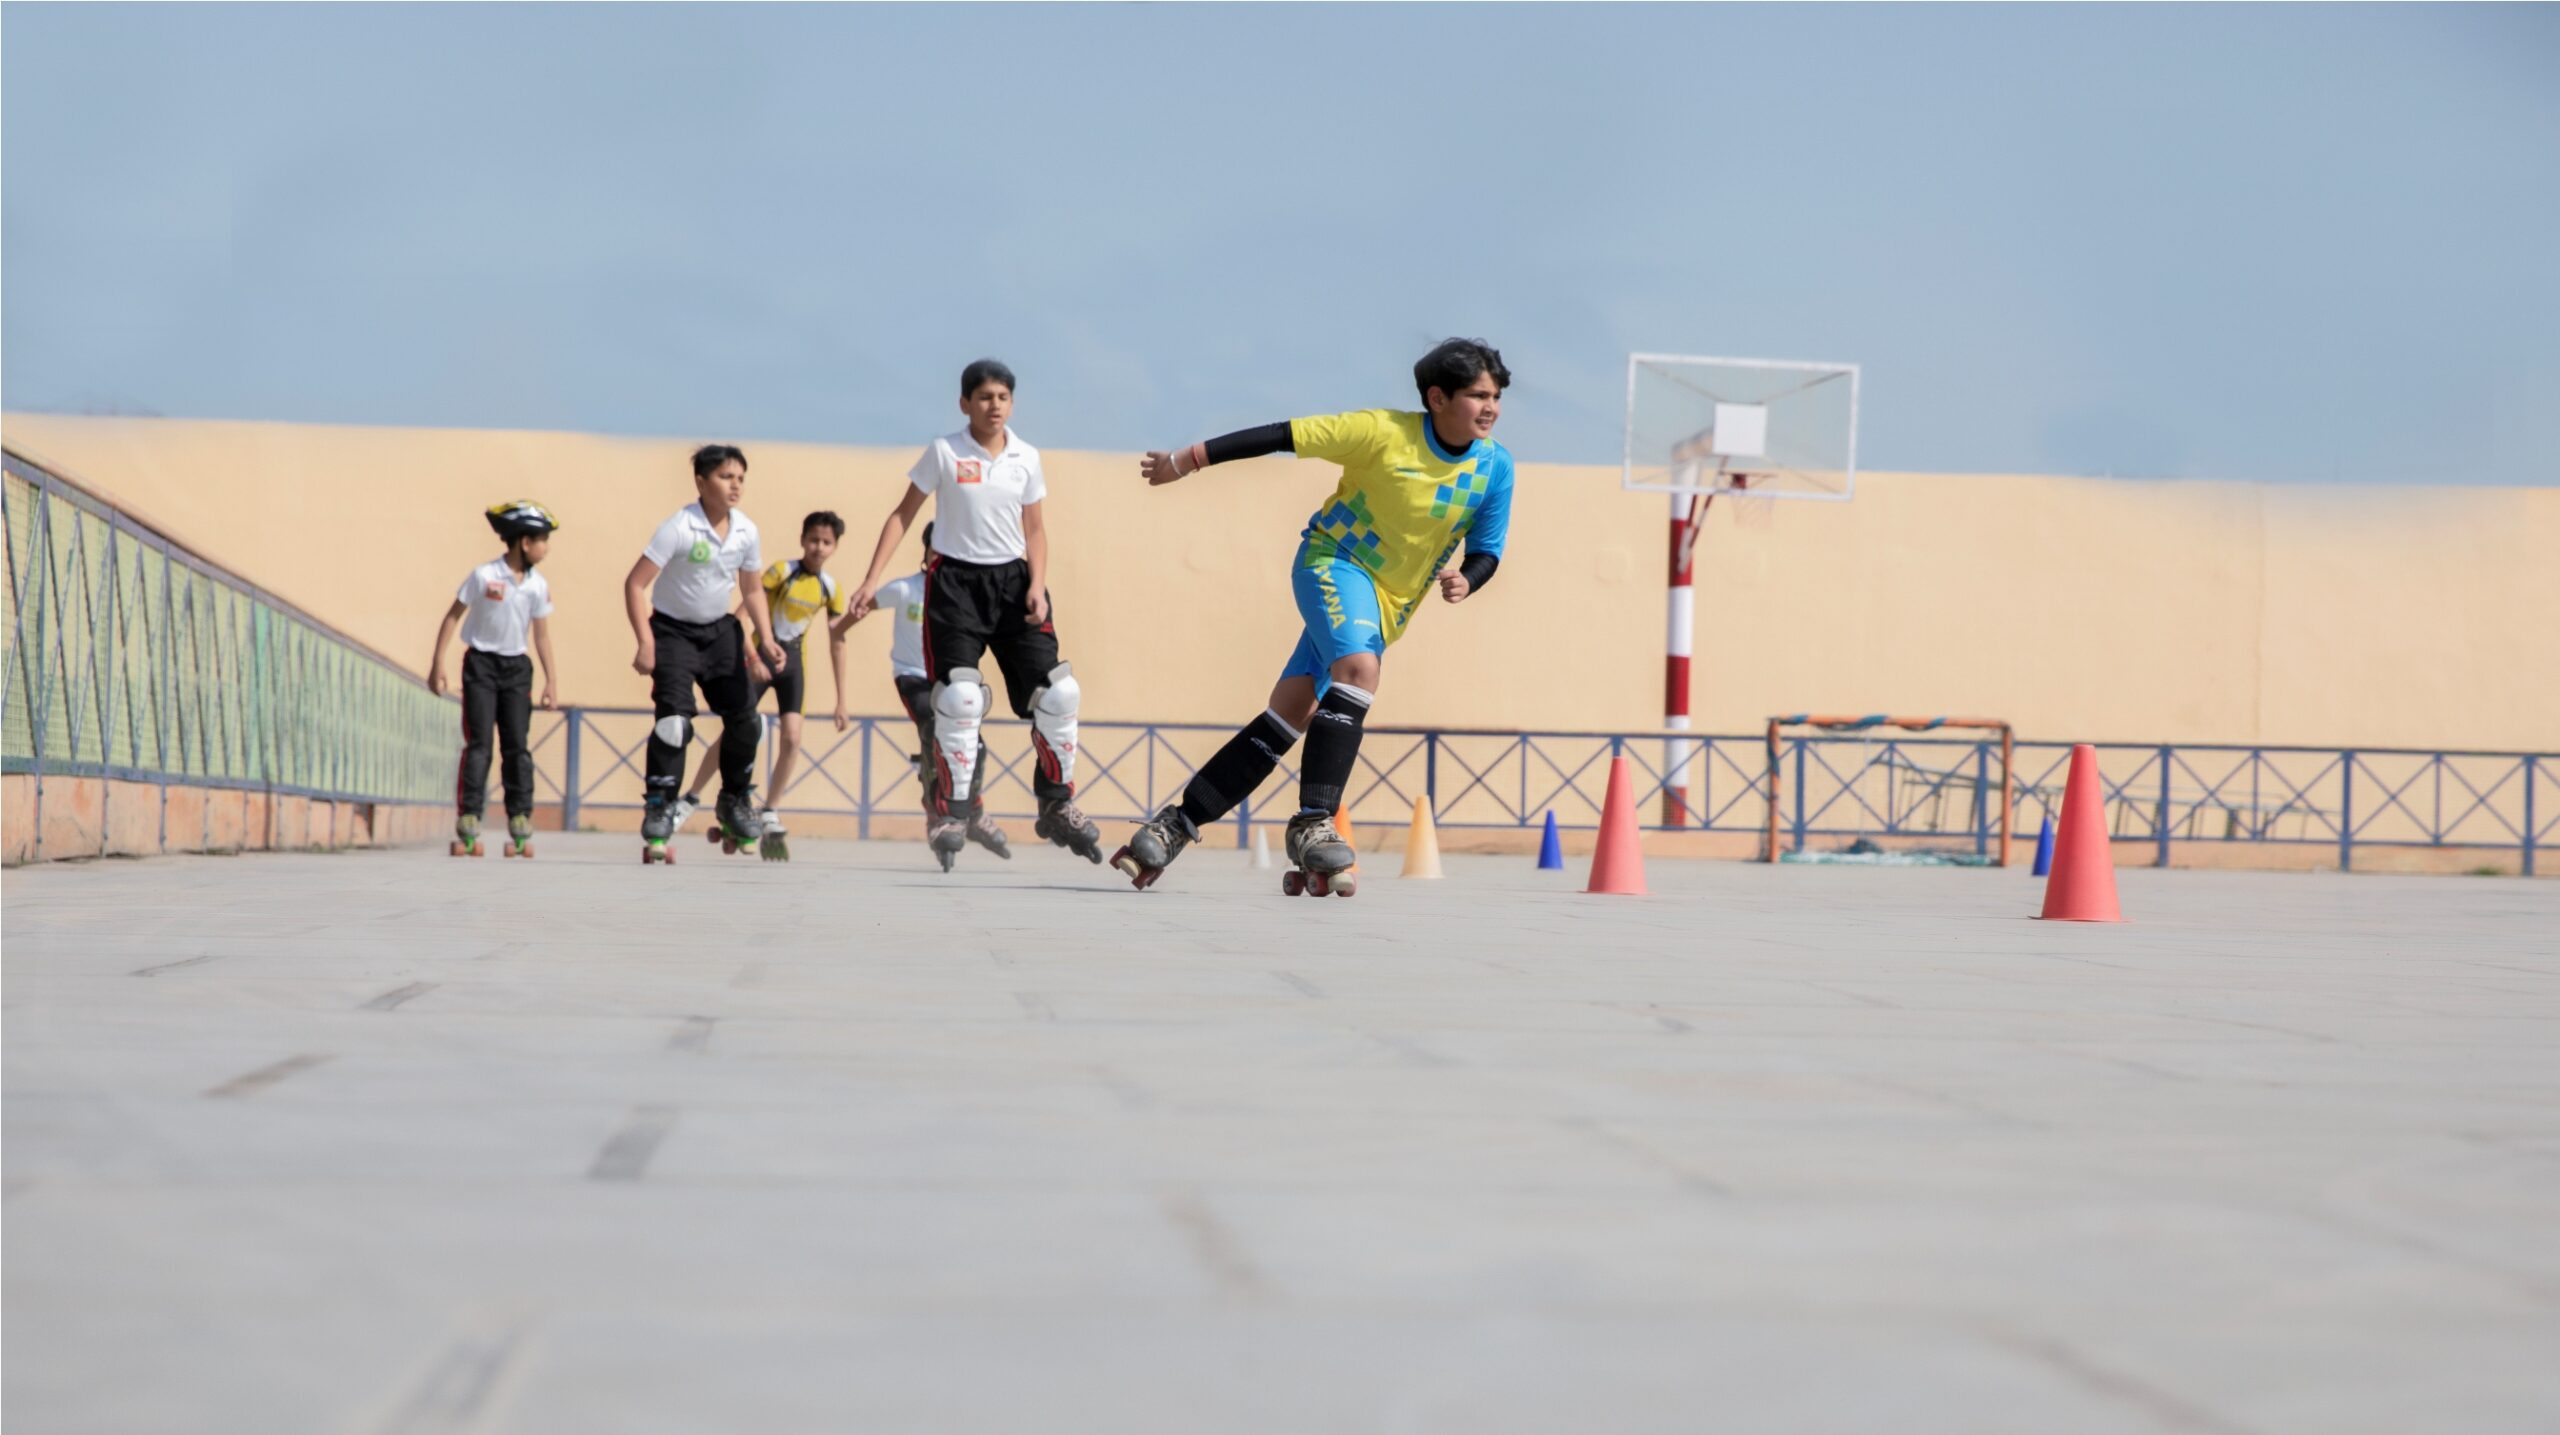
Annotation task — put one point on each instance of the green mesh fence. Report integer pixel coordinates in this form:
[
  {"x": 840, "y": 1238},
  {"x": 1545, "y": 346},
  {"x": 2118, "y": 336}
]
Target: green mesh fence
[{"x": 129, "y": 657}]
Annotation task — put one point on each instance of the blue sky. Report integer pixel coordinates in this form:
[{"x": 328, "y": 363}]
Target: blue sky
[{"x": 2289, "y": 242}]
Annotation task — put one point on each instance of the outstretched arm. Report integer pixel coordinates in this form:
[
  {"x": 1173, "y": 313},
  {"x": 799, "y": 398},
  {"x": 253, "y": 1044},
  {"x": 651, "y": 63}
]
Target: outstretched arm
[
  {"x": 893, "y": 531},
  {"x": 1165, "y": 467}
]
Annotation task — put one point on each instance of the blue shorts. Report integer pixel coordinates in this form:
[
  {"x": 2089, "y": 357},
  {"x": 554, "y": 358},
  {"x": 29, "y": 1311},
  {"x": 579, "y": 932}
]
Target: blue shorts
[{"x": 1339, "y": 602}]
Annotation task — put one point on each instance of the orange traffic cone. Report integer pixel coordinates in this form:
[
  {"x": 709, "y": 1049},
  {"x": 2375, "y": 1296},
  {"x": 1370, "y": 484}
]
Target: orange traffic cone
[
  {"x": 1422, "y": 842},
  {"x": 1342, "y": 825},
  {"x": 2083, "y": 885},
  {"x": 1617, "y": 864}
]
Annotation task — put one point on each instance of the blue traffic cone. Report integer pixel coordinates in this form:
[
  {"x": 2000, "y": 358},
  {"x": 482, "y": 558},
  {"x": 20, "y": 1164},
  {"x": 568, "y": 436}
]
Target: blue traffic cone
[
  {"x": 1551, "y": 847},
  {"x": 2044, "y": 846}
]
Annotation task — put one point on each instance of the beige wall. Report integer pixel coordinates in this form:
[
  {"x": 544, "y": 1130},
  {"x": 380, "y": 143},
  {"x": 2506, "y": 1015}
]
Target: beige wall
[{"x": 2076, "y": 608}]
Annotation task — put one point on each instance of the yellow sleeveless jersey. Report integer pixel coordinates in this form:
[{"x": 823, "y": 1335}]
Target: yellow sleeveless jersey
[{"x": 798, "y": 598}]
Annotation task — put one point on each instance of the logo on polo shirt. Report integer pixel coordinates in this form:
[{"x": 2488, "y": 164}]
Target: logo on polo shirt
[
  {"x": 701, "y": 551},
  {"x": 495, "y": 592},
  {"x": 972, "y": 471}
]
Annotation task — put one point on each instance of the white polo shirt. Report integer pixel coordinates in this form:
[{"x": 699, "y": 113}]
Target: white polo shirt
[
  {"x": 697, "y": 568},
  {"x": 903, "y": 601},
  {"x": 978, "y": 496},
  {"x": 498, "y": 608}
]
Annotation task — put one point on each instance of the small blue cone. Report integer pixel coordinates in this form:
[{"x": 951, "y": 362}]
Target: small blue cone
[
  {"x": 2044, "y": 847},
  {"x": 1551, "y": 847}
]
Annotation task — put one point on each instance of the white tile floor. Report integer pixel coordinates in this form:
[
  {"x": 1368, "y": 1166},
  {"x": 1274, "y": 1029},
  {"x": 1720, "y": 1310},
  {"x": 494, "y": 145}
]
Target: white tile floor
[{"x": 848, "y": 1145}]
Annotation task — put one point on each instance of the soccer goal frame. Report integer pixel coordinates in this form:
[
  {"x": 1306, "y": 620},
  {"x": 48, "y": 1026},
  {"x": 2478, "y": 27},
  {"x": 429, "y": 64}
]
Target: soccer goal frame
[{"x": 1775, "y": 780}]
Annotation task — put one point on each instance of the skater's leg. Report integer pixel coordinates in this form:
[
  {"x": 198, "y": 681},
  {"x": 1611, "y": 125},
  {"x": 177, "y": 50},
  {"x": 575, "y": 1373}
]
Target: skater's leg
[
  {"x": 917, "y": 694},
  {"x": 1044, "y": 692},
  {"x": 671, "y": 685},
  {"x": 515, "y": 719},
  {"x": 732, "y": 694},
  {"x": 1346, "y": 633},
  {"x": 786, "y": 751},
  {"x": 479, "y": 726},
  {"x": 959, "y": 706},
  {"x": 1238, "y": 769},
  {"x": 962, "y": 609},
  {"x": 1333, "y": 739}
]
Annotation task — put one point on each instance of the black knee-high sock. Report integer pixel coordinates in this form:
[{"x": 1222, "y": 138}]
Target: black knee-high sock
[
  {"x": 1238, "y": 768},
  {"x": 1333, "y": 748}
]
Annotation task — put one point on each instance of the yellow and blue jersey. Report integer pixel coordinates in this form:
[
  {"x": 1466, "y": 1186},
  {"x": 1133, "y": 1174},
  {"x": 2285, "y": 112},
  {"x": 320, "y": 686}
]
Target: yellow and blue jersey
[{"x": 1405, "y": 504}]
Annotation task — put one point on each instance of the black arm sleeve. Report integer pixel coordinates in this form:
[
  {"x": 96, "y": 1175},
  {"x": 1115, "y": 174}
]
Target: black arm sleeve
[
  {"x": 1478, "y": 571},
  {"x": 1249, "y": 443}
]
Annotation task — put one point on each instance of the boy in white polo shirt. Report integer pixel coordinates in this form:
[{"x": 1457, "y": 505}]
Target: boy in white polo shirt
[
  {"x": 500, "y": 605},
  {"x": 678, "y": 596},
  {"x": 986, "y": 586}
]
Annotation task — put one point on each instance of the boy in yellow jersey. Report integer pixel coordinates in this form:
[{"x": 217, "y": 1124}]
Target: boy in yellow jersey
[
  {"x": 798, "y": 592},
  {"x": 1416, "y": 488}
]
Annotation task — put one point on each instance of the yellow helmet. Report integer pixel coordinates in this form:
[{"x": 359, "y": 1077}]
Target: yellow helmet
[{"x": 521, "y": 518}]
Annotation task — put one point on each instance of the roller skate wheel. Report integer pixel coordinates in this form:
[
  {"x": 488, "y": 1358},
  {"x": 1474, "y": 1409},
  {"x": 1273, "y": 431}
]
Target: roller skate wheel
[
  {"x": 1293, "y": 883},
  {"x": 1344, "y": 884},
  {"x": 711, "y": 834},
  {"x": 478, "y": 851},
  {"x": 1319, "y": 885},
  {"x": 455, "y": 849},
  {"x": 525, "y": 851}
]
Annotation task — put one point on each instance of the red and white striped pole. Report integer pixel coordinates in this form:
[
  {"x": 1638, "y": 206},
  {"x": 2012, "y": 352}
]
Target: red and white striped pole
[{"x": 1688, "y": 510}]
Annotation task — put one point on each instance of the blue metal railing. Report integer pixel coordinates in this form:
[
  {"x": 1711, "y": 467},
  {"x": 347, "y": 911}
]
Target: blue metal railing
[{"x": 1839, "y": 787}]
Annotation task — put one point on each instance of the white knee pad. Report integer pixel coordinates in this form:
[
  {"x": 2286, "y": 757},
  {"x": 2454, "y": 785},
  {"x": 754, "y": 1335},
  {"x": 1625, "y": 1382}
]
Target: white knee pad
[
  {"x": 1053, "y": 720},
  {"x": 675, "y": 729},
  {"x": 959, "y": 703}
]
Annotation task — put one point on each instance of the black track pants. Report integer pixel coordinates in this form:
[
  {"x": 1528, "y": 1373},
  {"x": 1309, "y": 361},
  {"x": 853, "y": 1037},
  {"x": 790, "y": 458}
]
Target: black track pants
[
  {"x": 497, "y": 706},
  {"x": 713, "y": 657}
]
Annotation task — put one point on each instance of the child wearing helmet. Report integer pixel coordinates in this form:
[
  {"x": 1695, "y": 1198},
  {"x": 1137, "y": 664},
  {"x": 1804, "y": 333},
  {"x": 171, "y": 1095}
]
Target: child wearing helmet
[{"x": 501, "y": 605}]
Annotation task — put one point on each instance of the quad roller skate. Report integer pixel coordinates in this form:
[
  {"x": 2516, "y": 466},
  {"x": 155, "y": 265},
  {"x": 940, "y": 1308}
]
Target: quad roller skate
[
  {"x": 519, "y": 837},
  {"x": 466, "y": 836},
  {"x": 946, "y": 834},
  {"x": 984, "y": 831},
  {"x": 774, "y": 848},
  {"x": 1320, "y": 861},
  {"x": 657, "y": 824},
  {"x": 1155, "y": 844},
  {"x": 1061, "y": 822},
  {"x": 738, "y": 827}
]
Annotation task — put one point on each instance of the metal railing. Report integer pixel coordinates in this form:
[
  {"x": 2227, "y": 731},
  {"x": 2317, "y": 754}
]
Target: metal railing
[
  {"x": 1906, "y": 789},
  {"x": 129, "y": 657}
]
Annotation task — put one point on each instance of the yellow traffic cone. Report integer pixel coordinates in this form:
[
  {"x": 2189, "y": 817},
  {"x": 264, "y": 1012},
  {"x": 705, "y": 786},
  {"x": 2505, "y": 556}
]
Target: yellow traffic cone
[{"x": 1422, "y": 842}]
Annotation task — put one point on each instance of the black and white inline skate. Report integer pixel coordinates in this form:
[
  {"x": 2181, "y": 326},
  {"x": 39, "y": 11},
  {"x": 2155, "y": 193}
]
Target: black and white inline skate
[
  {"x": 657, "y": 824},
  {"x": 774, "y": 845},
  {"x": 1152, "y": 848},
  {"x": 946, "y": 835},
  {"x": 1320, "y": 862},
  {"x": 737, "y": 827},
  {"x": 1062, "y": 822}
]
